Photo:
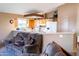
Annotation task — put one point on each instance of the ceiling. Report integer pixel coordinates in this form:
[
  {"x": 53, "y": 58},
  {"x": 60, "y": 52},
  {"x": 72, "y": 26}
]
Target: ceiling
[{"x": 24, "y": 8}]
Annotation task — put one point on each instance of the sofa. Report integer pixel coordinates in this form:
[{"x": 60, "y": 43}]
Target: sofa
[
  {"x": 24, "y": 43},
  {"x": 29, "y": 44}
]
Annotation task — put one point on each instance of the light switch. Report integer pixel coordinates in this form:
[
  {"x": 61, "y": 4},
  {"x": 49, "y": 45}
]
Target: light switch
[{"x": 61, "y": 36}]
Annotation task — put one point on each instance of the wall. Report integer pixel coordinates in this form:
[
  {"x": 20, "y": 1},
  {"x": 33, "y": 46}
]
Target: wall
[
  {"x": 77, "y": 22},
  {"x": 5, "y": 26},
  {"x": 67, "y": 16}
]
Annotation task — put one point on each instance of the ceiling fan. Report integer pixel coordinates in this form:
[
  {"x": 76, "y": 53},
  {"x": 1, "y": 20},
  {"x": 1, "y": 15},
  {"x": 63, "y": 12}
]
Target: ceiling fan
[{"x": 34, "y": 13}]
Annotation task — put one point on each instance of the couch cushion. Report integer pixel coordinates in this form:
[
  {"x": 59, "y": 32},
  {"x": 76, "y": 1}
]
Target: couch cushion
[
  {"x": 35, "y": 44},
  {"x": 18, "y": 40}
]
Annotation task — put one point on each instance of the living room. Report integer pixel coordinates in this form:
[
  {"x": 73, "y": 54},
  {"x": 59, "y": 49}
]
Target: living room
[{"x": 56, "y": 22}]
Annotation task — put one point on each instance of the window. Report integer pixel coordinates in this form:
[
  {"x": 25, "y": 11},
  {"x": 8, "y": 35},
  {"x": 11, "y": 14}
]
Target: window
[
  {"x": 21, "y": 24},
  {"x": 43, "y": 22},
  {"x": 49, "y": 27}
]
